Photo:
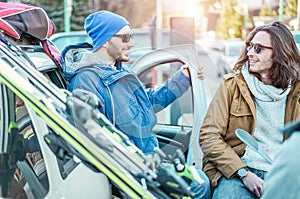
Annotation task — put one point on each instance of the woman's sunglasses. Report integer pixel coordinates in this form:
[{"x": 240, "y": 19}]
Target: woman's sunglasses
[
  {"x": 257, "y": 47},
  {"x": 125, "y": 37}
]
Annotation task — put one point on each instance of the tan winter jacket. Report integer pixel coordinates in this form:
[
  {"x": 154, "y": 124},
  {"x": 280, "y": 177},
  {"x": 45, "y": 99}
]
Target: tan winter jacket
[{"x": 233, "y": 107}]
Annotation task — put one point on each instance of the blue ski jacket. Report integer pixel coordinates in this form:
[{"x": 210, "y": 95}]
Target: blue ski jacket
[{"x": 126, "y": 102}]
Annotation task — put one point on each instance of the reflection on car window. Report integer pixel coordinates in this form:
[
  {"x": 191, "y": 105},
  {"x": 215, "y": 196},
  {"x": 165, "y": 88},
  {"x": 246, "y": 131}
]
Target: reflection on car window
[{"x": 180, "y": 112}]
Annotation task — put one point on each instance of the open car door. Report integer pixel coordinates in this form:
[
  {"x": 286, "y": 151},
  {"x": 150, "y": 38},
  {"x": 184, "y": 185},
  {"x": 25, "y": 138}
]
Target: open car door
[{"x": 179, "y": 124}]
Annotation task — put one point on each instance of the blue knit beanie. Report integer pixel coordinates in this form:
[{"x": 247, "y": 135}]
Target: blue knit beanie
[{"x": 102, "y": 25}]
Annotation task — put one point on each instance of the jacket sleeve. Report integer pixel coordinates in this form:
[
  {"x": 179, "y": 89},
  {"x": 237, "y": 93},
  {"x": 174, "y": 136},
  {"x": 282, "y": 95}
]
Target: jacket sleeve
[
  {"x": 174, "y": 87},
  {"x": 217, "y": 153}
]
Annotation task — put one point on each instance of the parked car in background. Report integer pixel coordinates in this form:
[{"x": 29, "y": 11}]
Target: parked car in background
[
  {"x": 232, "y": 49},
  {"x": 227, "y": 52},
  {"x": 296, "y": 35},
  {"x": 62, "y": 39}
]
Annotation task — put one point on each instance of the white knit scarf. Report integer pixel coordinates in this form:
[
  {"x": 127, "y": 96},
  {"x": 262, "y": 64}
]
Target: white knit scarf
[{"x": 270, "y": 105}]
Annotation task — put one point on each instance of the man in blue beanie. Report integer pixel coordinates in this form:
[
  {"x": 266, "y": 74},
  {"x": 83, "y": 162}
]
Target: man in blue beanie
[
  {"x": 126, "y": 103},
  {"x": 102, "y": 26}
]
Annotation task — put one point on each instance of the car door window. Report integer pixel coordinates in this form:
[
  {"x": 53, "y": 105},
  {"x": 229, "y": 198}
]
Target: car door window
[{"x": 180, "y": 112}]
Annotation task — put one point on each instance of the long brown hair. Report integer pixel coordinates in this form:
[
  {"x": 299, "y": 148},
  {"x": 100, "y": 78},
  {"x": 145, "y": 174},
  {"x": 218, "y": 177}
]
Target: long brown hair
[{"x": 286, "y": 59}]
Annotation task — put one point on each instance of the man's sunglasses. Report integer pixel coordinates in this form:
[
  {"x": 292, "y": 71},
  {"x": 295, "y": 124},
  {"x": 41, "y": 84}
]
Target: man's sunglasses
[
  {"x": 125, "y": 37},
  {"x": 257, "y": 47}
]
